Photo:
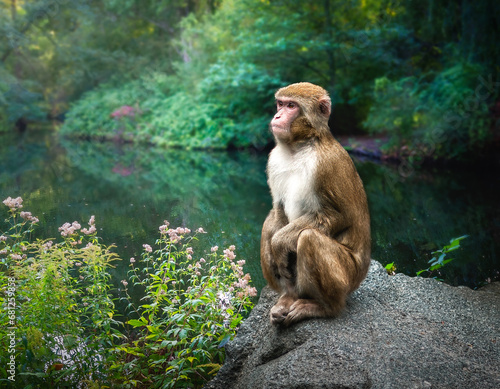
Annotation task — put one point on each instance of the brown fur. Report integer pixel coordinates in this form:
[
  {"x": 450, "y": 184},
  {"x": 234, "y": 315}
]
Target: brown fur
[{"x": 323, "y": 254}]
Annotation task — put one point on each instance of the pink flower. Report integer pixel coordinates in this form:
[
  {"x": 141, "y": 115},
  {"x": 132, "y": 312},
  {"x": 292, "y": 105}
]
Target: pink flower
[
  {"x": 123, "y": 111},
  {"x": 147, "y": 248},
  {"x": 132, "y": 260},
  {"x": 189, "y": 250},
  {"x": 125, "y": 283},
  {"x": 89, "y": 231},
  {"x": 13, "y": 204},
  {"x": 173, "y": 236},
  {"x": 229, "y": 254},
  {"x": 92, "y": 228},
  {"x": 3, "y": 238},
  {"x": 252, "y": 292},
  {"x": 47, "y": 245},
  {"x": 69, "y": 229},
  {"x": 214, "y": 249},
  {"x": 182, "y": 231},
  {"x": 201, "y": 230}
]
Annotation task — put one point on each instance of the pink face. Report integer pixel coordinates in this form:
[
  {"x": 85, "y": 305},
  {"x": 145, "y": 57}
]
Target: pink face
[{"x": 288, "y": 111}]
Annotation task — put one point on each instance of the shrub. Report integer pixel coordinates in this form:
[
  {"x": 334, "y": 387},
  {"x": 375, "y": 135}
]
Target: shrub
[
  {"x": 192, "y": 308},
  {"x": 56, "y": 301}
]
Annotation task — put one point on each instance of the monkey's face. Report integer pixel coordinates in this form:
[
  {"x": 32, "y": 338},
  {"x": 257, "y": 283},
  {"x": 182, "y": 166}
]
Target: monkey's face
[{"x": 287, "y": 111}]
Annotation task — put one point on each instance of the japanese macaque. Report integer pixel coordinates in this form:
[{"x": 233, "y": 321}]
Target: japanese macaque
[{"x": 315, "y": 246}]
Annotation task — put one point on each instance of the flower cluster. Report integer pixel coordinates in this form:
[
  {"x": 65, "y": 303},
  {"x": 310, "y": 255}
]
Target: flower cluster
[
  {"x": 229, "y": 253},
  {"x": 69, "y": 229},
  {"x": 13, "y": 204},
  {"x": 224, "y": 304},
  {"x": 123, "y": 111},
  {"x": 92, "y": 228},
  {"x": 47, "y": 245},
  {"x": 243, "y": 281},
  {"x": 174, "y": 234},
  {"x": 29, "y": 217}
]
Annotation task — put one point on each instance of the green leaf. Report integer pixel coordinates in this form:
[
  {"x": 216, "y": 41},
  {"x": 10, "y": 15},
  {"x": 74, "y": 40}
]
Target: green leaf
[
  {"x": 224, "y": 341},
  {"x": 136, "y": 323}
]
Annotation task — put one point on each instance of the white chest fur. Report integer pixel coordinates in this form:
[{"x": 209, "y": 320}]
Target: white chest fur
[{"x": 291, "y": 179}]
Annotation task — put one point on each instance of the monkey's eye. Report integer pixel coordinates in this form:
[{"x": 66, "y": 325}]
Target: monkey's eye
[{"x": 291, "y": 105}]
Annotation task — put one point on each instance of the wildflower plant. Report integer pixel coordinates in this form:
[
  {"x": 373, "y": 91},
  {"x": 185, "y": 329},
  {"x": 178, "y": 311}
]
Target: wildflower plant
[
  {"x": 193, "y": 305},
  {"x": 55, "y": 298}
]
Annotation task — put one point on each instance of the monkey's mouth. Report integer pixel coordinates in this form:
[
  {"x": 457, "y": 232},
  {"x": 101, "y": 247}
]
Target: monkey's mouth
[{"x": 277, "y": 129}]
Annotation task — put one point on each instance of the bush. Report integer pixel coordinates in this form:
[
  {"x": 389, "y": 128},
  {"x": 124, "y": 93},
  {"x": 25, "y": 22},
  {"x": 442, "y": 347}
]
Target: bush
[
  {"x": 191, "y": 310},
  {"x": 58, "y": 312},
  {"x": 216, "y": 115},
  {"x": 57, "y": 302},
  {"x": 436, "y": 115}
]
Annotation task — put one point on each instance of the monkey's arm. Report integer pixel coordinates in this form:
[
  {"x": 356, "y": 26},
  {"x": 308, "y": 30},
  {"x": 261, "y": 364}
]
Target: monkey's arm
[{"x": 284, "y": 241}]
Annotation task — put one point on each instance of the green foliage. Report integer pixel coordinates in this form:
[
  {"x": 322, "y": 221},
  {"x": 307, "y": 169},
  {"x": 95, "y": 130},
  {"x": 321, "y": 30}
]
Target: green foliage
[
  {"x": 201, "y": 74},
  {"x": 191, "y": 120},
  {"x": 443, "y": 114},
  {"x": 91, "y": 116},
  {"x": 390, "y": 268},
  {"x": 56, "y": 299},
  {"x": 438, "y": 261},
  {"x": 189, "y": 311},
  {"x": 64, "y": 314}
]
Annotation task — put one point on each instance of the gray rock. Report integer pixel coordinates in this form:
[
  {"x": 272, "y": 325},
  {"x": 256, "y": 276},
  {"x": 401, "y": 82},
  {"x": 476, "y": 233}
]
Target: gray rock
[{"x": 396, "y": 332}]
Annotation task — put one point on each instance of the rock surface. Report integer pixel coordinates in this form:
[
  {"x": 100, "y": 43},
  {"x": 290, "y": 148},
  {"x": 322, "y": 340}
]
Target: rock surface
[{"x": 396, "y": 332}]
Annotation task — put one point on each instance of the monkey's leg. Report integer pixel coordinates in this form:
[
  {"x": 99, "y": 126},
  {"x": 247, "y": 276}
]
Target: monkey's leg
[
  {"x": 324, "y": 272},
  {"x": 289, "y": 292},
  {"x": 273, "y": 223}
]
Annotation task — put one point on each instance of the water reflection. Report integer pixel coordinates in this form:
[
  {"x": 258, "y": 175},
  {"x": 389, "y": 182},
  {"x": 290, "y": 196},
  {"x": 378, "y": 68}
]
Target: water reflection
[{"x": 132, "y": 189}]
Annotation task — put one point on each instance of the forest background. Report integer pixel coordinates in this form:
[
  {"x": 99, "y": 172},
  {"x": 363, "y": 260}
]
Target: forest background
[{"x": 202, "y": 73}]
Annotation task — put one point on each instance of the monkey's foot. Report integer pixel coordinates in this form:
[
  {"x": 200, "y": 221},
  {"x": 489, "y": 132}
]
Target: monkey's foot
[
  {"x": 279, "y": 312},
  {"x": 302, "y": 309}
]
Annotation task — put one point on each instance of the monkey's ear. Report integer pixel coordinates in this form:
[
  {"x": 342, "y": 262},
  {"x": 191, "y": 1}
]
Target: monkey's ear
[{"x": 325, "y": 107}]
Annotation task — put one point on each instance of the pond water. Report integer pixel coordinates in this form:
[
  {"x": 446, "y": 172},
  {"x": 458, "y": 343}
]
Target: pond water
[{"x": 132, "y": 189}]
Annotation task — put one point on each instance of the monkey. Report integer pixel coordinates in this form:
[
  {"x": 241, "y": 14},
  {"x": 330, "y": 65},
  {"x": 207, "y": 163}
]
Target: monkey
[{"x": 315, "y": 242}]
